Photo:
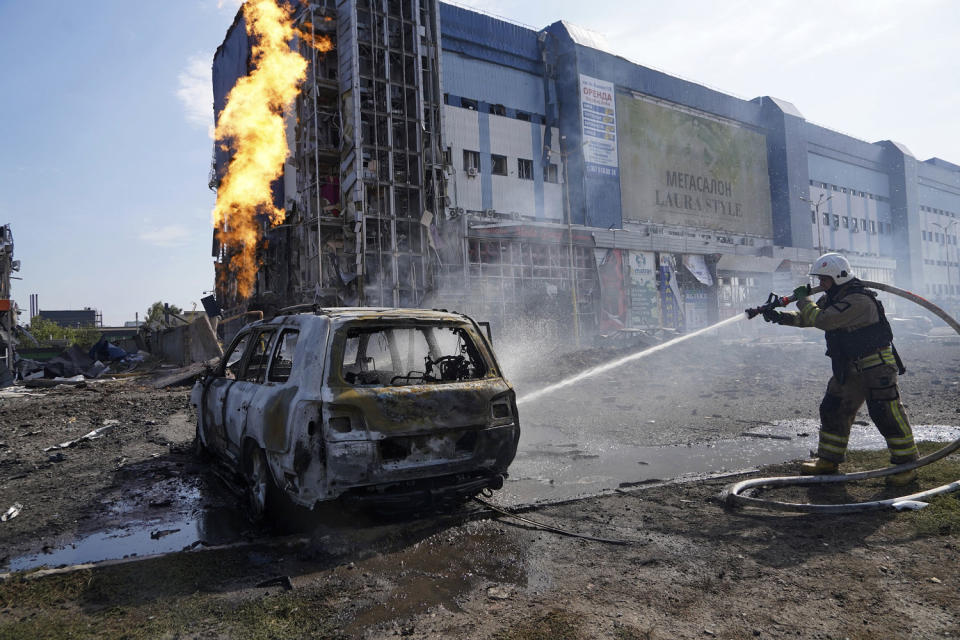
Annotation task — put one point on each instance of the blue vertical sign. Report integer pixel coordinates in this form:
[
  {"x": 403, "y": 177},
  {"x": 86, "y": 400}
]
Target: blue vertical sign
[{"x": 599, "y": 125}]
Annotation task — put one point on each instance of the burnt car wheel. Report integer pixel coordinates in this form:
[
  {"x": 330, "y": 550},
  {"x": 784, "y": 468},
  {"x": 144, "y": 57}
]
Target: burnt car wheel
[{"x": 260, "y": 488}]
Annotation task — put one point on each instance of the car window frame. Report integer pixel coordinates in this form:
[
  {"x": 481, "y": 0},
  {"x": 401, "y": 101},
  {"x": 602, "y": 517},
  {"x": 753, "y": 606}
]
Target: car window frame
[
  {"x": 338, "y": 345},
  {"x": 262, "y": 376},
  {"x": 278, "y": 341},
  {"x": 222, "y": 370}
]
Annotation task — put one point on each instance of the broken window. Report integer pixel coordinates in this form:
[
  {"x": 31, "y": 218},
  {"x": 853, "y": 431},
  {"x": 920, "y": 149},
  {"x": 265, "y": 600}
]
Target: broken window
[
  {"x": 282, "y": 363},
  {"x": 471, "y": 161},
  {"x": 232, "y": 360},
  {"x": 410, "y": 355},
  {"x": 498, "y": 165},
  {"x": 524, "y": 169},
  {"x": 259, "y": 358},
  {"x": 551, "y": 173}
]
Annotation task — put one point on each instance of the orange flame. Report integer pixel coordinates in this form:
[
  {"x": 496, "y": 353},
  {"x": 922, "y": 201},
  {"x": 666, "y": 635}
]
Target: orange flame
[{"x": 252, "y": 124}]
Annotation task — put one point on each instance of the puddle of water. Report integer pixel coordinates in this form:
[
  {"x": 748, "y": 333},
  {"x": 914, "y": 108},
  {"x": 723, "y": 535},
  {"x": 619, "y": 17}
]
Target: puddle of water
[
  {"x": 182, "y": 519},
  {"x": 548, "y": 472},
  {"x": 213, "y": 527}
]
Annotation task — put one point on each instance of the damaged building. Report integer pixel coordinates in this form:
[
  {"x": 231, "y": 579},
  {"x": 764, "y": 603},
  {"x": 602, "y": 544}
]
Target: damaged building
[
  {"x": 8, "y": 308},
  {"x": 443, "y": 158}
]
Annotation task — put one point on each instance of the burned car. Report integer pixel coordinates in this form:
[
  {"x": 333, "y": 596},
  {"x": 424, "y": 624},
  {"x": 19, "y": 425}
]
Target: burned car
[{"x": 400, "y": 407}]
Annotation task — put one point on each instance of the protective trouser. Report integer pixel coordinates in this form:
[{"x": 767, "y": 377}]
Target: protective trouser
[{"x": 874, "y": 379}]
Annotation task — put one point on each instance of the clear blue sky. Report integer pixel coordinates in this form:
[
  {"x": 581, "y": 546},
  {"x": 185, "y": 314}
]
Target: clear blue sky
[
  {"x": 105, "y": 156},
  {"x": 105, "y": 113}
]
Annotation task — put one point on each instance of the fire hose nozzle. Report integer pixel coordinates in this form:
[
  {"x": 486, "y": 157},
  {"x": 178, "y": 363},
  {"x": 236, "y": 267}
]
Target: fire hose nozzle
[{"x": 774, "y": 301}]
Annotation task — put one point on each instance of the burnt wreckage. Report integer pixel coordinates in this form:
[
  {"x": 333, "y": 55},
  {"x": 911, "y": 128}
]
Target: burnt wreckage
[
  {"x": 398, "y": 407},
  {"x": 8, "y": 309}
]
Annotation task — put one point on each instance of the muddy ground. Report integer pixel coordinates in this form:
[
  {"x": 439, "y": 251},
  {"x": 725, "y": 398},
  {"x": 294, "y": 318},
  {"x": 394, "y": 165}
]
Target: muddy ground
[{"x": 689, "y": 567}]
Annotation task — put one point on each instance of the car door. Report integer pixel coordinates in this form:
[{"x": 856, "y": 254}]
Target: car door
[
  {"x": 271, "y": 407},
  {"x": 249, "y": 378},
  {"x": 216, "y": 389}
]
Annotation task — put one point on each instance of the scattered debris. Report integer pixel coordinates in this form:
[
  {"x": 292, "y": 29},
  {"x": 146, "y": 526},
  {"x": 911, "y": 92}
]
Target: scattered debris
[
  {"x": 935, "y": 580},
  {"x": 183, "y": 375},
  {"x": 500, "y": 592},
  {"x": 46, "y": 383},
  {"x": 73, "y": 362},
  {"x": 159, "y": 533},
  {"x": 280, "y": 581},
  {"x": 12, "y": 512},
  {"x": 625, "y": 485},
  {"x": 108, "y": 425},
  {"x": 771, "y": 436},
  {"x": 58, "y": 457}
]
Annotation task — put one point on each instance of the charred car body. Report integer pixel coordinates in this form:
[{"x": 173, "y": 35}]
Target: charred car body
[{"x": 403, "y": 407}]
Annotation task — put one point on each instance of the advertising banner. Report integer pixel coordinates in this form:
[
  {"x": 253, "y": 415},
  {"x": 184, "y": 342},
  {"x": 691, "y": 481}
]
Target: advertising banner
[
  {"x": 644, "y": 300},
  {"x": 692, "y": 170},
  {"x": 697, "y": 266},
  {"x": 696, "y": 309},
  {"x": 670, "y": 295},
  {"x": 599, "y": 126},
  {"x": 613, "y": 296}
]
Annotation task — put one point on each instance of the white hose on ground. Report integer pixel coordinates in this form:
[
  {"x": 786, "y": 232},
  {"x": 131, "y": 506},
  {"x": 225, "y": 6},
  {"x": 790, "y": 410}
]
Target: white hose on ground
[{"x": 731, "y": 494}]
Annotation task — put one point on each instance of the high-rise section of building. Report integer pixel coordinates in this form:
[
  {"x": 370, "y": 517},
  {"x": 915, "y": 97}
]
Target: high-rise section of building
[
  {"x": 363, "y": 188},
  {"x": 442, "y": 157},
  {"x": 8, "y": 309}
]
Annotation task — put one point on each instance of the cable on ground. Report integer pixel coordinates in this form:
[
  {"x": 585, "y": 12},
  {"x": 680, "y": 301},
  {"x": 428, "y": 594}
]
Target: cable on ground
[{"x": 547, "y": 527}]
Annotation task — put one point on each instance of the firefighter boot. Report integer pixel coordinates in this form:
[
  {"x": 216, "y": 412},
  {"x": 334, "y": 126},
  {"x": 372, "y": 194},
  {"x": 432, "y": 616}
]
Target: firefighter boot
[
  {"x": 818, "y": 467},
  {"x": 901, "y": 479}
]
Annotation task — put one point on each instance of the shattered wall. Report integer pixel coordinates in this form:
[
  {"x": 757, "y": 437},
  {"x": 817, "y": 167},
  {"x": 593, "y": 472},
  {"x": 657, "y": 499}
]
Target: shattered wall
[
  {"x": 363, "y": 187},
  {"x": 8, "y": 315}
]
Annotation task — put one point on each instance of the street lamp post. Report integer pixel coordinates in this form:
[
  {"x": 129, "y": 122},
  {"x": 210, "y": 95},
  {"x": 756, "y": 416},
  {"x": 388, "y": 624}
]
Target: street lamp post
[
  {"x": 944, "y": 229},
  {"x": 816, "y": 214}
]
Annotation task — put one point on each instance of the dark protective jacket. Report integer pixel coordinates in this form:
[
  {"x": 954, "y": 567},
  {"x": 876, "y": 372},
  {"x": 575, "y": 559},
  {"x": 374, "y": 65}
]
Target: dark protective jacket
[{"x": 853, "y": 320}]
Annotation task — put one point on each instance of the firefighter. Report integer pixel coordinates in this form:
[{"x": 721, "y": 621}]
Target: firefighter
[{"x": 865, "y": 366}]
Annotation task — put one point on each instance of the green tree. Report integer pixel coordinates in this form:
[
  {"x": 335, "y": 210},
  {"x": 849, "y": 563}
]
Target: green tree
[
  {"x": 49, "y": 333},
  {"x": 155, "y": 311}
]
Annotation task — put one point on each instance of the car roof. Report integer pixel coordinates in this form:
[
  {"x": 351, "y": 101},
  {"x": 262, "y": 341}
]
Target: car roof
[{"x": 381, "y": 313}]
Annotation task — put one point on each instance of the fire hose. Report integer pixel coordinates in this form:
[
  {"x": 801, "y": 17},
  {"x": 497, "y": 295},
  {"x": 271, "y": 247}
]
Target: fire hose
[{"x": 733, "y": 494}]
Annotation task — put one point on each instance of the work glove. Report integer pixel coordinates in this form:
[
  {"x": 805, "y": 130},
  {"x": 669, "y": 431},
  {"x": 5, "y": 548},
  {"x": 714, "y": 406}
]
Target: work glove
[
  {"x": 801, "y": 292},
  {"x": 772, "y": 315}
]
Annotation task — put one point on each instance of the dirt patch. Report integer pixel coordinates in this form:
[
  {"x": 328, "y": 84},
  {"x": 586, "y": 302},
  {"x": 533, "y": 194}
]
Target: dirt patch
[{"x": 691, "y": 568}]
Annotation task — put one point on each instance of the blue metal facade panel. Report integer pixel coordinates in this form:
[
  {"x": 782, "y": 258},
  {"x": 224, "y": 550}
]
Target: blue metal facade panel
[
  {"x": 492, "y": 83},
  {"x": 939, "y": 198},
  {"x": 486, "y": 38},
  {"x": 844, "y": 148},
  {"x": 535, "y": 144},
  {"x": 845, "y": 174},
  {"x": 486, "y": 164},
  {"x": 786, "y": 167},
  {"x": 629, "y": 75}
]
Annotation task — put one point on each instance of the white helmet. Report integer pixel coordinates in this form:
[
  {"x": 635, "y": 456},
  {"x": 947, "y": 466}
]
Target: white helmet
[{"x": 833, "y": 265}]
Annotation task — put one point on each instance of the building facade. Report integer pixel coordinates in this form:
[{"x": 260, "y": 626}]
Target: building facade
[
  {"x": 8, "y": 308},
  {"x": 446, "y": 158}
]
